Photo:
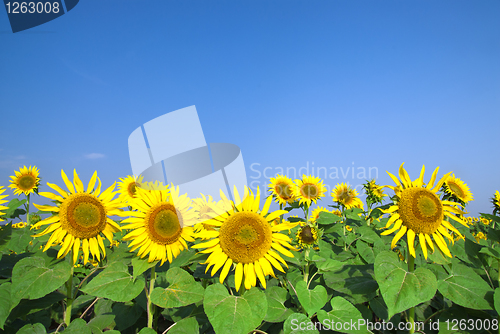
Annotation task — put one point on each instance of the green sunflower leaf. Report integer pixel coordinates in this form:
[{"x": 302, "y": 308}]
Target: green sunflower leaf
[
  {"x": 365, "y": 251},
  {"x": 343, "y": 318},
  {"x": 19, "y": 240},
  {"x": 126, "y": 314},
  {"x": 141, "y": 265},
  {"x": 234, "y": 314},
  {"x": 147, "y": 330},
  {"x": 33, "y": 279},
  {"x": 466, "y": 288},
  {"x": 356, "y": 282},
  {"x": 299, "y": 323},
  {"x": 185, "y": 326},
  {"x": 400, "y": 288},
  {"x": 326, "y": 218},
  {"x": 496, "y": 298},
  {"x": 32, "y": 329},
  {"x": 311, "y": 300},
  {"x": 276, "y": 309},
  {"x": 78, "y": 326},
  {"x": 13, "y": 212},
  {"x": 115, "y": 283},
  {"x": 5, "y": 305},
  {"x": 183, "y": 290}
]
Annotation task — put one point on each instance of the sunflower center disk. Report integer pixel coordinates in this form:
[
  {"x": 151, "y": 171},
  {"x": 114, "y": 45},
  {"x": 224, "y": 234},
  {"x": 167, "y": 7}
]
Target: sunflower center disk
[
  {"x": 306, "y": 235},
  {"x": 283, "y": 190},
  {"x": 245, "y": 237},
  {"x": 344, "y": 196},
  {"x": 83, "y": 215},
  {"x": 163, "y": 224},
  {"x": 309, "y": 190},
  {"x": 131, "y": 189},
  {"x": 26, "y": 182},
  {"x": 456, "y": 189},
  {"x": 420, "y": 210}
]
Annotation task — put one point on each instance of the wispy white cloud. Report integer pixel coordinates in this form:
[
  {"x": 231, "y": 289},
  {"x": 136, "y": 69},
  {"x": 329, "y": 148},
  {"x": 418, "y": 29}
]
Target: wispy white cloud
[
  {"x": 94, "y": 156},
  {"x": 82, "y": 73}
]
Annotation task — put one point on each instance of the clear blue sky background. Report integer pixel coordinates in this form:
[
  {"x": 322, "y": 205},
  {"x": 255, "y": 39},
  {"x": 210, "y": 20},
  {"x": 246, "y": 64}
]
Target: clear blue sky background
[{"x": 335, "y": 83}]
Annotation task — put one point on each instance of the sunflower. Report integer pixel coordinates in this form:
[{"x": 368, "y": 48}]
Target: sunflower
[
  {"x": 344, "y": 195},
  {"x": 161, "y": 225},
  {"x": 419, "y": 211},
  {"x": 315, "y": 214},
  {"x": 309, "y": 189},
  {"x": 496, "y": 202},
  {"x": 25, "y": 181},
  {"x": 246, "y": 239},
  {"x": 80, "y": 217},
  {"x": 337, "y": 212},
  {"x": 480, "y": 236},
  {"x": 485, "y": 221},
  {"x": 308, "y": 236},
  {"x": 127, "y": 188},
  {"x": 282, "y": 188},
  {"x": 456, "y": 188},
  {"x": 203, "y": 207},
  {"x": 2, "y": 201},
  {"x": 374, "y": 192}
]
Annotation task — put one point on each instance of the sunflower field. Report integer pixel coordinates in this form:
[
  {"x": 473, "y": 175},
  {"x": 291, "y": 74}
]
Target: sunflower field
[{"x": 141, "y": 257}]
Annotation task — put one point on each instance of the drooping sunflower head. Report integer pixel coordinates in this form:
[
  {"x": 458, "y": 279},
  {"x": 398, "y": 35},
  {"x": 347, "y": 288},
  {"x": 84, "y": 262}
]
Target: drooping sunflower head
[
  {"x": 309, "y": 189},
  {"x": 25, "y": 181},
  {"x": 344, "y": 195},
  {"x": 315, "y": 214},
  {"x": 161, "y": 225},
  {"x": 456, "y": 189},
  {"x": 282, "y": 189},
  {"x": 419, "y": 211},
  {"x": 374, "y": 192},
  {"x": 2, "y": 201},
  {"x": 308, "y": 236},
  {"x": 80, "y": 217},
  {"x": 246, "y": 238}
]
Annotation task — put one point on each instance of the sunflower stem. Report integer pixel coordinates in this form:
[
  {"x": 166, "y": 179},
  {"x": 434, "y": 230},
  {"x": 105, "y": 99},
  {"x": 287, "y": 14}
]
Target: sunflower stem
[
  {"x": 151, "y": 307},
  {"x": 411, "y": 317},
  {"x": 28, "y": 210},
  {"x": 306, "y": 267},
  {"x": 69, "y": 295}
]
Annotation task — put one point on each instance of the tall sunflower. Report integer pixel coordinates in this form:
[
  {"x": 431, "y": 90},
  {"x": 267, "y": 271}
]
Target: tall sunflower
[
  {"x": 25, "y": 181},
  {"x": 80, "y": 217},
  {"x": 2, "y": 201},
  {"x": 456, "y": 188},
  {"x": 246, "y": 239},
  {"x": 161, "y": 225},
  {"x": 283, "y": 189},
  {"x": 309, "y": 189},
  {"x": 419, "y": 211},
  {"x": 344, "y": 195}
]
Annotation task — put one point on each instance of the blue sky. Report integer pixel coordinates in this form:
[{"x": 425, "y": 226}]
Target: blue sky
[{"x": 337, "y": 84}]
